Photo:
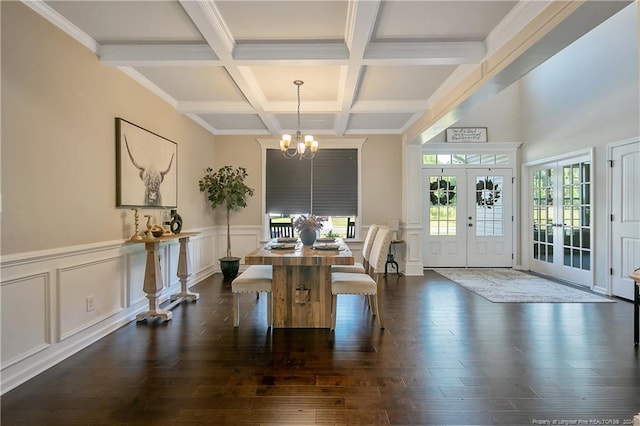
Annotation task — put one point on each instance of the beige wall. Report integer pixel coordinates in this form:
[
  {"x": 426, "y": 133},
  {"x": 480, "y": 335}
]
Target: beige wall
[
  {"x": 58, "y": 146},
  {"x": 58, "y": 140},
  {"x": 243, "y": 151},
  {"x": 381, "y": 175},
  {"x": 381, "y": 179}
]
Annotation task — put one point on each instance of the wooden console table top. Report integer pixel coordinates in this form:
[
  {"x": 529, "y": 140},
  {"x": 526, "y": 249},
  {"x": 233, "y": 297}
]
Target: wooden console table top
[{"x": 163, "y": 238}]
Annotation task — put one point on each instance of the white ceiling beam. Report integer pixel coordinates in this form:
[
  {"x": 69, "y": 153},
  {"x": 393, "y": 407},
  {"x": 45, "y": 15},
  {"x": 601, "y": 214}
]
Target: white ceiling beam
[
  {"x": 323, "y": 107},
  {"x": 440, "y": 53},
  {"x": 157, "y": 54},
  {"x": 208, "y": 19},
  {"x": 197, "y": 54},
  {"x": 311, "y": 50},
  {"x": 361, "y": 21}
]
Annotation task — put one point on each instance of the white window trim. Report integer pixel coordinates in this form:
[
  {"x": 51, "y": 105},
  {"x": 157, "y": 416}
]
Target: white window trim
[
  {"x": 509, "y": 148},
  {"x": 340, "y": 143}
]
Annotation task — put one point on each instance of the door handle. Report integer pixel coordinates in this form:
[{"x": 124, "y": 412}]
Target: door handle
[{"x": 471, "y": 225}]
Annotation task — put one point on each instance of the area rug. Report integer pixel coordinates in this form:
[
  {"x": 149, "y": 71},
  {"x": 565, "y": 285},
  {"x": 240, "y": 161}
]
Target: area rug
[{"x": 503, "y": 285}]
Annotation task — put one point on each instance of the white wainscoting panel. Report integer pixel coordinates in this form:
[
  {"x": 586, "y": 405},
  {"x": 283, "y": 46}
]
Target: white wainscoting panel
[
  {"x": 44, "y": 316},
  {"x": 413, "y": 250},
  {"x": 103, "y": 281},
  {"x": 136, "y": 266},
  {"x": 25, "y": 317},
  {"x": 204, "y": 255},
  {"x": 171, "y": 256},
  {"x": 244, "y": 239}
]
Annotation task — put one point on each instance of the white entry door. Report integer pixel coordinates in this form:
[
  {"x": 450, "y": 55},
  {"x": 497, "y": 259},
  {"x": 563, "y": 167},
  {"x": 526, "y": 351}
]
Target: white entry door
[
  {"x": 468, "y": 217},
  {"x": 625, "y": 217}
]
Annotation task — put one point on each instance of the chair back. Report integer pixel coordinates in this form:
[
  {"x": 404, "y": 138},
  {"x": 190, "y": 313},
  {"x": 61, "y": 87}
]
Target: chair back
[
  {"x": 379, "y": 250},
  {"x": 351, "y": 228},
  {"x": 368, "y": 242},
  {"x": 281, "y": 229}
]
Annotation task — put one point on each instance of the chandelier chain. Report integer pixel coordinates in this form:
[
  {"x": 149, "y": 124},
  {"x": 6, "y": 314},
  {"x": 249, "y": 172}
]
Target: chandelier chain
[{"x": 298, "y": 83}]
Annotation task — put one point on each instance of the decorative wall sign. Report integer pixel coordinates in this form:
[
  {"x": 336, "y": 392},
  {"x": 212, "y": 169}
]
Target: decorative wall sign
[
  {"x": 146, "y": 168},
  {"x": 466, "y": 134}
]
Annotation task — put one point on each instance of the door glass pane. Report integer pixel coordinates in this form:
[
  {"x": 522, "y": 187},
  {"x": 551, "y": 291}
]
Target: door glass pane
[
  {"x": 442, "y": 205},
  {"x": 473, "y": 159},
  {"x": 489, "y": 207},
  {"x": 576, "y": 215},
  {"x": 543, "y": 214},
  {"x": 502, "y": 159},
  {"x": 429, "y": 159},
  {"x": 488, "y": 159},
  {"x": 444, "y": 158}
]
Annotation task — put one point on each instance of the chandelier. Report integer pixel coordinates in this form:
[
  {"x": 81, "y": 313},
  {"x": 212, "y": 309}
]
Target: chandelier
[{"x": 302, "y": 148}]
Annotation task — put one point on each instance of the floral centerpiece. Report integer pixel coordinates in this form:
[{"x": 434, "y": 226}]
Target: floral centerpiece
[{"x": 307, "y": 227}]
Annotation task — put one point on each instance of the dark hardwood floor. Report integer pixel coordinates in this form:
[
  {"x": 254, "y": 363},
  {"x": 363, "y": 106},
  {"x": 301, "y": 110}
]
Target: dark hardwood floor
[{"x": 447, "y": 356}]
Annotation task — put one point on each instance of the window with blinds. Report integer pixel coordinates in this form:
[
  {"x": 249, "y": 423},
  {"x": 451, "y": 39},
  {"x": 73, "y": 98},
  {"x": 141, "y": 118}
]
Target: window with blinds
[{"x": 326, "y": 185}]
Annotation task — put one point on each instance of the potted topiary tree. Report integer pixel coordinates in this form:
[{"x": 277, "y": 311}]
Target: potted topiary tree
[{"x": 226, "y": 186}]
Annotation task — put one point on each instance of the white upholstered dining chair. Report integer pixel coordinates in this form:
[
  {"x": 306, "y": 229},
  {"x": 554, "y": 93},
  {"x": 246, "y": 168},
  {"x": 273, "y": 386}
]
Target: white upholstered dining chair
[
  {"x": 255, "y": 279},
  {"x": 360, "y": 268},
  {"x": 364, "y": 284}
]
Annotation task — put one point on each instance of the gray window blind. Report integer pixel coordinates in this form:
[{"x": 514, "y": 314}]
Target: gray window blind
[
  {"x": 333, "y": 191},
  {"x": 335, "y": 182},
  {"x": 288, "y": 184}
]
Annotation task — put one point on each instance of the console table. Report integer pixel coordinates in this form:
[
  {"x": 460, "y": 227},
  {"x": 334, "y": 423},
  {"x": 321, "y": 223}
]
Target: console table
[
  {"x": 635, "y": 276},
  {"x": 153, "y": 277}
]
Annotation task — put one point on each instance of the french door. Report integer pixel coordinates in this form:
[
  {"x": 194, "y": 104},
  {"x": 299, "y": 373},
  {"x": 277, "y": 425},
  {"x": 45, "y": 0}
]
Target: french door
[
  {"x": 467, "y": 217},
  {"x": 561, "y": 220}
]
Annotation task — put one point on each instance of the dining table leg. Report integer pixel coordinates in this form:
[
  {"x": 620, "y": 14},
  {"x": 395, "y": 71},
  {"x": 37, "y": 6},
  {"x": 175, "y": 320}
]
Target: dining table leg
[{"x": 301, "y": 296}]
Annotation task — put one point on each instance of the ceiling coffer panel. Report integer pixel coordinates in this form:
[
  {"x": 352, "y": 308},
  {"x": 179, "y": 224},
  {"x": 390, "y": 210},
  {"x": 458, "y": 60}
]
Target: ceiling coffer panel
[{"x": 401, "y": 67}]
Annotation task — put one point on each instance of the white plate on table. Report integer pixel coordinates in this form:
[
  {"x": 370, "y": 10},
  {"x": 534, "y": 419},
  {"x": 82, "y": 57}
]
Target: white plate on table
[{"x": 326, "y": 240}]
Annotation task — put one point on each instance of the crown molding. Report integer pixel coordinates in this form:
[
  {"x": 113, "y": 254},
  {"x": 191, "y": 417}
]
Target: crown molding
[{"x": 44, "y": 10}]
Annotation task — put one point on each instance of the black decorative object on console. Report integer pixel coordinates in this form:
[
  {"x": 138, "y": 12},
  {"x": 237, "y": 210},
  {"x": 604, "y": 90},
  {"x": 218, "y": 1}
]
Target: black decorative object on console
[{"x": 176, "y": 222}]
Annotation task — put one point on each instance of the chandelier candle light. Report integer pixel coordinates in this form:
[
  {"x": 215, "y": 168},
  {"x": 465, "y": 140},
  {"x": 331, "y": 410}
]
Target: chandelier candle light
[{"x": 306, "y": 148}]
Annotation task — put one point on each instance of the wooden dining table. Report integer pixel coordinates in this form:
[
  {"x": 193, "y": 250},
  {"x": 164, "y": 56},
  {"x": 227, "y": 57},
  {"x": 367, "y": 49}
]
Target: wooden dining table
[{"x": 301, "y": 280}]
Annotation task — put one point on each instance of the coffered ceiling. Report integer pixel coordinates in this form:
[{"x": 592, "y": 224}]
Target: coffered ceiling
[{"x": 368, "y": 66}]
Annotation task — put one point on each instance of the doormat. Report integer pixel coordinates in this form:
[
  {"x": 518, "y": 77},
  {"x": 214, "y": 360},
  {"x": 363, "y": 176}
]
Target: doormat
[{"x": 504, "y": 285}]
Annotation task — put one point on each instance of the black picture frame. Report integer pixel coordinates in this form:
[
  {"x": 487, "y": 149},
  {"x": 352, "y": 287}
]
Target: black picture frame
[{"x": 146, "y": 168}]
